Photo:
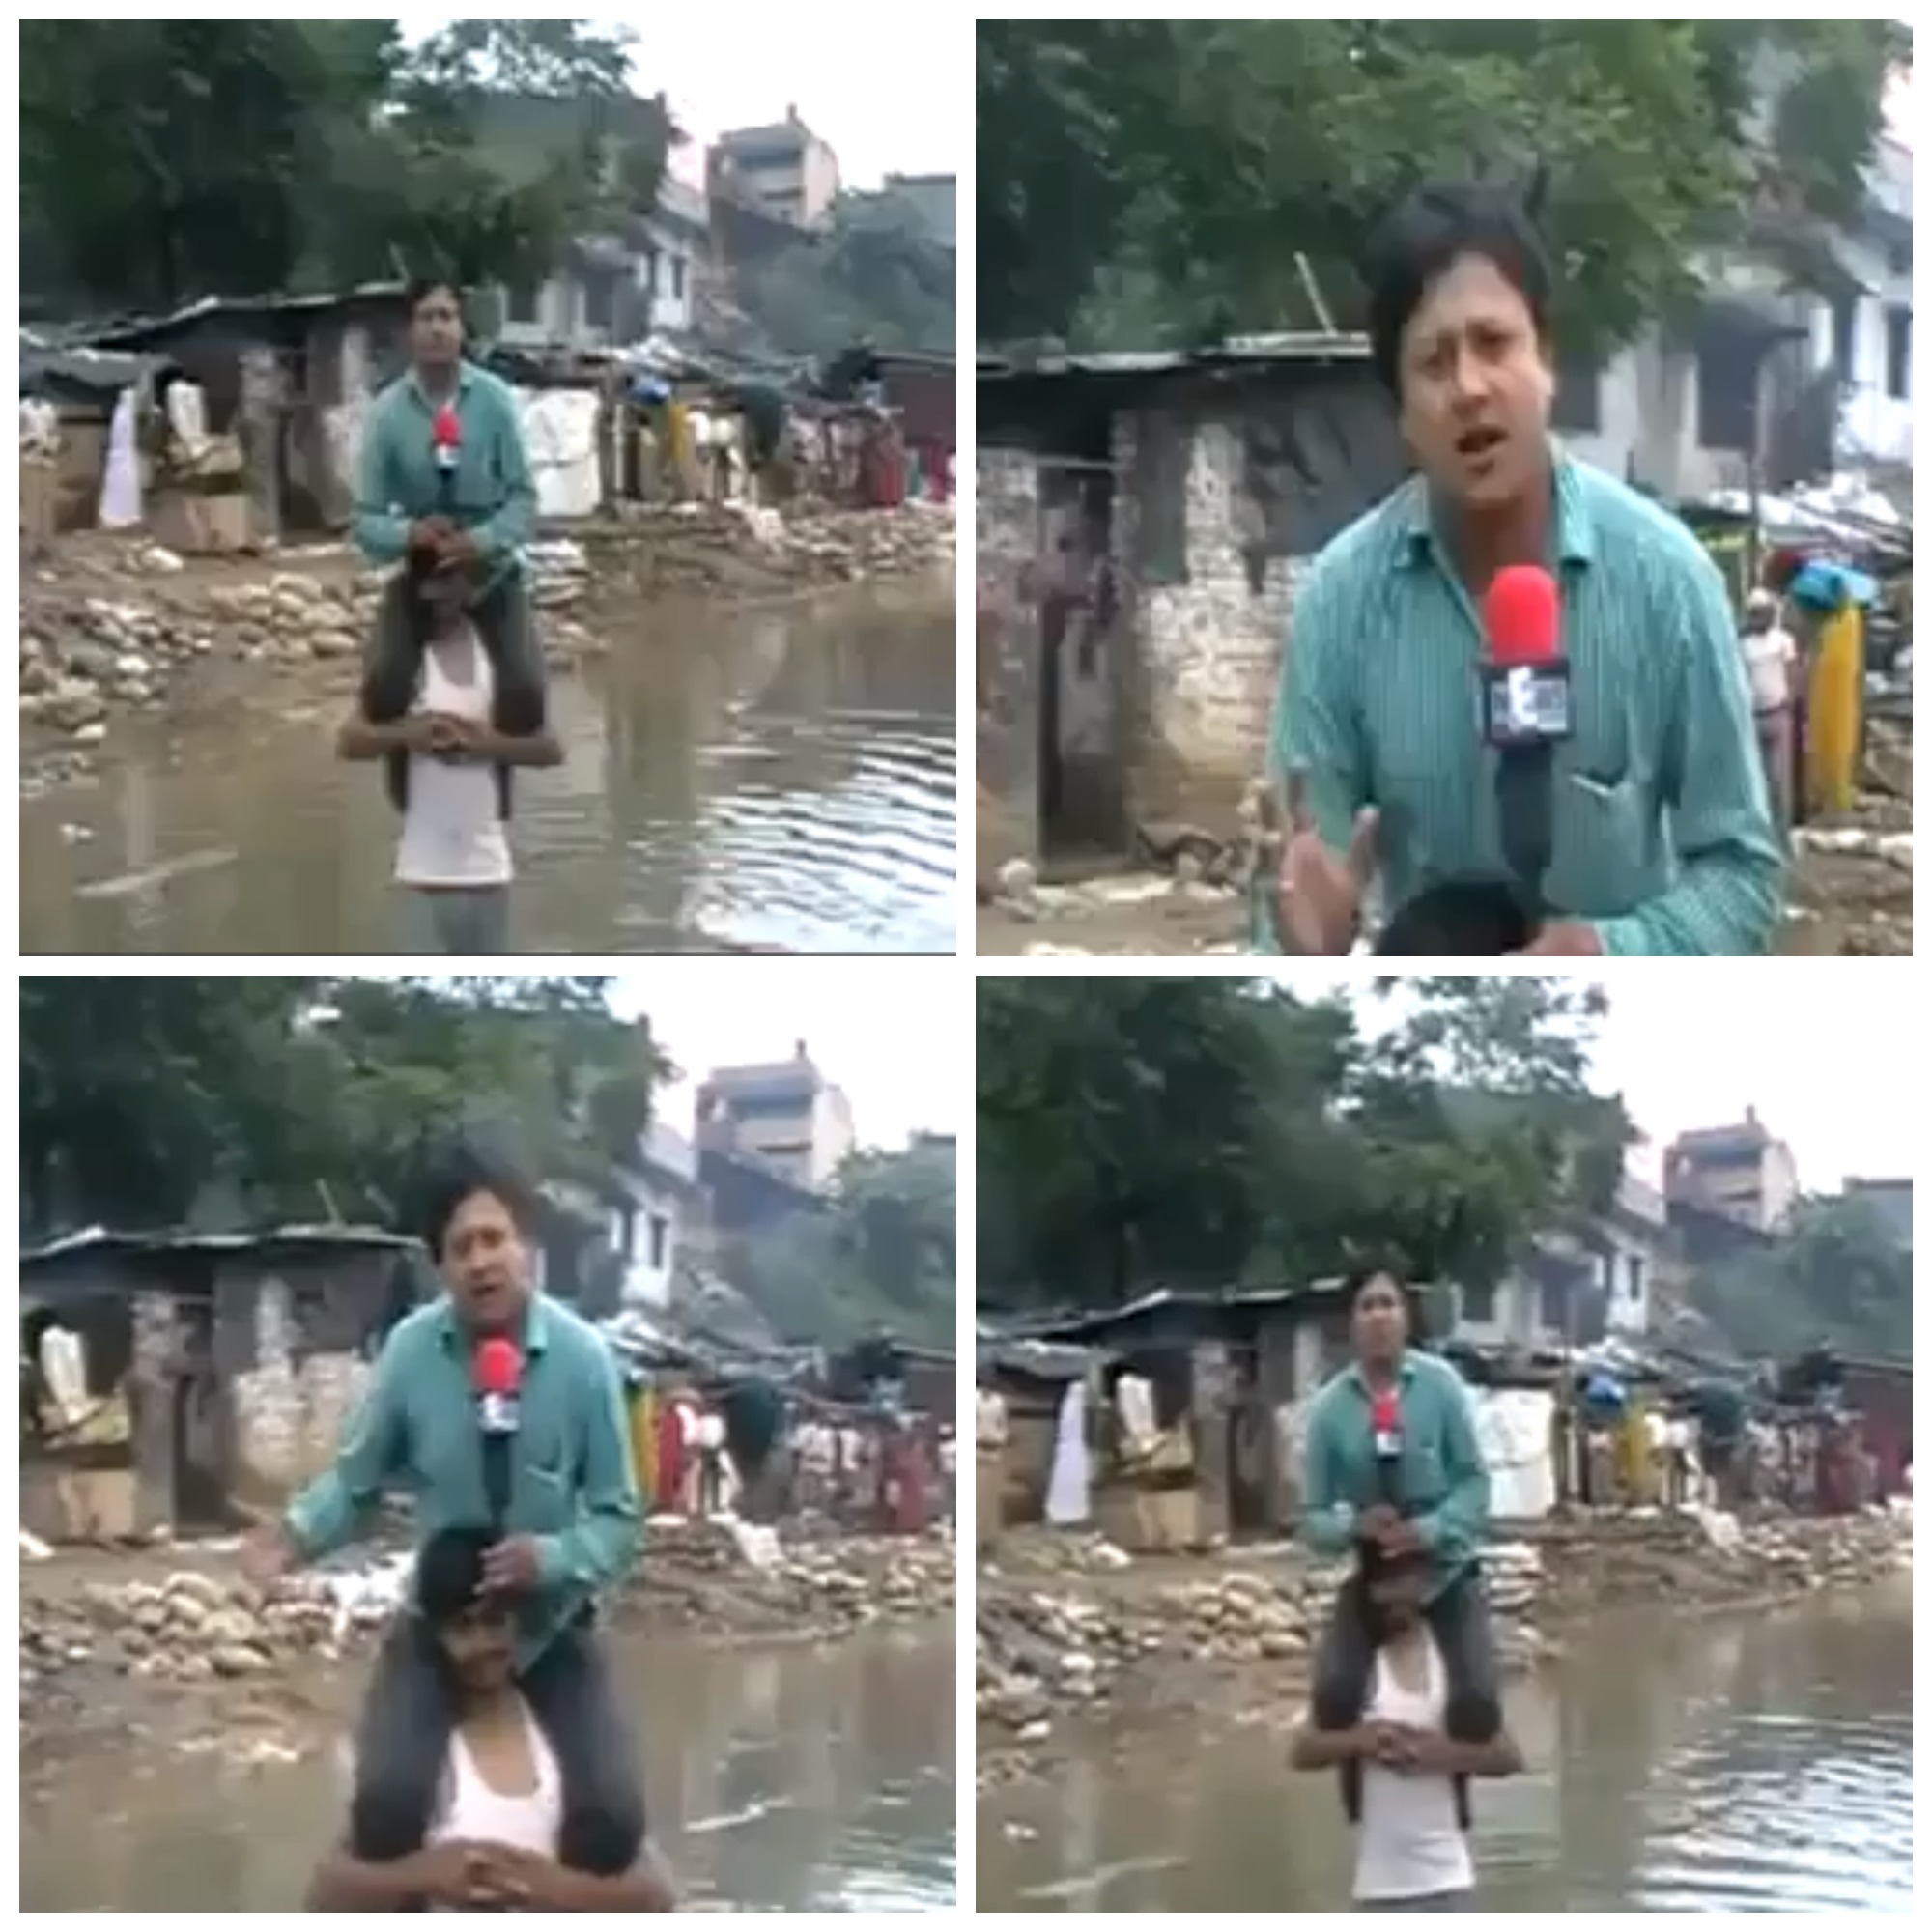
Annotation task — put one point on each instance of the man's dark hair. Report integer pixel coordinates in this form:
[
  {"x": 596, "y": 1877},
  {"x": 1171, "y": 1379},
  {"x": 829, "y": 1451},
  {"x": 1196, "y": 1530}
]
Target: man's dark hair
[
  {"x": 466, "y": 1170},
  {"x": 1459, "y": 919},
  {"x": 1360, "y": 1276},
  {"x": 419, "y": 288},
  {"x": 450, "y": 1573},
  {"x": 1416, "y": 241}
]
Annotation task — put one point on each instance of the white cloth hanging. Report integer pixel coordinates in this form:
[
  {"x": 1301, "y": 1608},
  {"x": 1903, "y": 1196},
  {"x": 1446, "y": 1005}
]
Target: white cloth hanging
[
  {"x": 1069, "y": 1487},
  {"x": 121, "y": 485}
]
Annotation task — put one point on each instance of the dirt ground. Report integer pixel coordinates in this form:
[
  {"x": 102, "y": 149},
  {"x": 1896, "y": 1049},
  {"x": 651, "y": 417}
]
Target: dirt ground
[{"x": 1842, "y": 903}]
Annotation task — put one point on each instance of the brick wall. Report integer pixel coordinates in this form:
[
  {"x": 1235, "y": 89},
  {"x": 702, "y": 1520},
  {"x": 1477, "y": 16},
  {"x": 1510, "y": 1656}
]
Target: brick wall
[
  {"x": 1006, "y": 525},
  {"x": 289, "y": 1409}
]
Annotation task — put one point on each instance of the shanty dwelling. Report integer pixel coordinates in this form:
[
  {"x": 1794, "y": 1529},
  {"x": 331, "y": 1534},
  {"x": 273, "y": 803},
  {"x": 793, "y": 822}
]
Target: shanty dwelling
[
  {"x": 1022, "y": 1387},
  {"x": 1190, "y": 1422},
  {"x": 179, "y": 1380},
  {"x": 1143, "y": 520}
]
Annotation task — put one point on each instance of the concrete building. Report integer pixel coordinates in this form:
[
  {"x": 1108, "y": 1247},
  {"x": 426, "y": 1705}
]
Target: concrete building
[
  {"x": 615, "y": 289},
  {"x": 786, "y": 1117},
  {"x": 1678, "y": 412},
  {"x": 657, "y": 1215},
  {"x": 783, "y": 169},
  {"x": 1741, "y": 1172}
]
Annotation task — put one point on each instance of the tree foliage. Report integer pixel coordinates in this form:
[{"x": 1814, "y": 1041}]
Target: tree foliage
[
  {"x": 1173, "y": 172},
  {"x": 146, "y": 1101},
  {"x": 1836, "y": 1276},
  {"x": 883, "y": 1255},
  {"x": 1135, "y": 1132},
  {"x": 874, "y": 275},
  {"x": 165, "y": 160}
]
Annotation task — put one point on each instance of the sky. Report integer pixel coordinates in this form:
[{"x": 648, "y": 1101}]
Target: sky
[
  {"x": 731, "y": 68},
  {"x": 1816, "y": 1050},
  {"x": 865, "y": 1023}
]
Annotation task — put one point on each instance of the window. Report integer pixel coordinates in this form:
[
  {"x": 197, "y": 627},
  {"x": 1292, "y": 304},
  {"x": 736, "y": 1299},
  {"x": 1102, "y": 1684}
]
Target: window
[
  {"x": 1898, "y": 355},
  {"x": 1479, "y": 1302},
  {"x": 660, "y": 1241},
  {"x": 600, "y": 303},
  {"x": 677, "y": 279},
  {"x": 1634, "y": 1283},
  {"x": 523, "y": 304},
  {"x": 1844, "y": 330}
]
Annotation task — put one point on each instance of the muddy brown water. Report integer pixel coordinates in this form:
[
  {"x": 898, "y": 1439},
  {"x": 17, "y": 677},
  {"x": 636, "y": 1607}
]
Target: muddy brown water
[
  {"x": 1750, "y": 1765},
  {"x": 788, "y": 1779},
  {"x": 777, "y": 776}
]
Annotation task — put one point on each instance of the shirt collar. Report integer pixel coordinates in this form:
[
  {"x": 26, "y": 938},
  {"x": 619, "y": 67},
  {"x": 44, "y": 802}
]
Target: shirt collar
[
  {"x": 1576, "y": 528},
  {"x": 536, "y": 1326},
  {"x": 466, "y": 375},
  {"x": 1404, "y": 1372}
]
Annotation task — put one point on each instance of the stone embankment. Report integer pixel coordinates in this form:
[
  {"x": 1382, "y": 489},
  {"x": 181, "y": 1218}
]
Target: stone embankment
[
  {"x": 196, "y": 1622},
  {"x": 1071, "y": 1628},
  {"x": 117, "y": 628}
]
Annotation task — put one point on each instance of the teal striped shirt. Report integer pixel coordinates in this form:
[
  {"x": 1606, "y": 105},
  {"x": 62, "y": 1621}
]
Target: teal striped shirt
[
  {"x": 492, "y": 494},
  {"x": 572, "y": 1485},
  {"x": 1664, "y": 836}
]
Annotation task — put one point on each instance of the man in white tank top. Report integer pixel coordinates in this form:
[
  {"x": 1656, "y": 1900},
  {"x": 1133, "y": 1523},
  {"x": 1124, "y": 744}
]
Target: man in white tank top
[
  {"x": 1411, "y": 1852},
  {"x": 453, "y": 861},
  {"x": 492, "y": 1844}
]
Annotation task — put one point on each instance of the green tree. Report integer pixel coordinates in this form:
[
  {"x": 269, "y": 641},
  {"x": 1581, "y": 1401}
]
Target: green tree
[
  {"x": 1224, "y": 162},
  {"x": 165, "y": 160},
  {"x": 1176, "y": 1131},
  {"x": 880, "y": 1257},
  {"x": 309, "y": 1097},
  {"x": 874, "y": 275},
  {"x": 1836, "y": 1275}
]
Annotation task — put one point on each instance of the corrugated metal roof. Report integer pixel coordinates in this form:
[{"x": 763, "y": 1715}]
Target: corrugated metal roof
[
  {"x": 184, "y": 1240},
  {"x": 1300, "y": 346}
]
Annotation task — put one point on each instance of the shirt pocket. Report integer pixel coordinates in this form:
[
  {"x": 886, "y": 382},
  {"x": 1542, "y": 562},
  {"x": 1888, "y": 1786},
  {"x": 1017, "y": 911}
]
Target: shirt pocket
[
  {"x": 1426, "y": 1477},
  {"x": 1610, "y": 845},
  {"x": 548, "y": 1492}
]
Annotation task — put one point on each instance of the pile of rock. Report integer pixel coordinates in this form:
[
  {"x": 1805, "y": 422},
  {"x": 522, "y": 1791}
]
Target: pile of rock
[
  {"x": 190, "y": 1628},
  {"x": 720, "y": 1579},
  {"x": 710, "y": 549},
  {"x": 86, "y": 656}
]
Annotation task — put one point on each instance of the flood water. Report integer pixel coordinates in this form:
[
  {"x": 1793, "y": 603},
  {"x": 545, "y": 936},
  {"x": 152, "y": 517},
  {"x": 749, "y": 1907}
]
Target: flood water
[
  {"x": 1675, "y": 1765},
  {"x": 780, "y": 777},
  {"x": 806, "y": 1779}
]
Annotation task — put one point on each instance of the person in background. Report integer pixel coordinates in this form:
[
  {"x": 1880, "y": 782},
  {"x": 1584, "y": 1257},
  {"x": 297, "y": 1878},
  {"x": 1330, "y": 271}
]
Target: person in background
[
  {"x": 1664, "y": 839},
  {"x": 449, "y": 773},
  {"x": 496, "y": 1835},
  {"x": 1425, "y": 1492},
  {"x": 1411, "y": 1832},
  {"x": 1770, "y": 662},
  {"x": 567, "y": 1530}
]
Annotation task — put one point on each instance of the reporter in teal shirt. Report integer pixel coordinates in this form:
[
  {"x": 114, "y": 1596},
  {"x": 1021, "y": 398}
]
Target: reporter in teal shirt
[
  {"x": 570, "y": 1526},
  {"x": 1431, "y": 1493}
]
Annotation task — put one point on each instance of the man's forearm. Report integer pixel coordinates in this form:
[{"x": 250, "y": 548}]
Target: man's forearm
[
  {"x": 1726, "y": 906},
  {"x": 1330, "y": 1530}
]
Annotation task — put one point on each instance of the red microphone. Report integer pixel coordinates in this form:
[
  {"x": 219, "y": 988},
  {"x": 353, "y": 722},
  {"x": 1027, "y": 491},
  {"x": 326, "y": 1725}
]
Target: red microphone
[
  {"x": 1526, "y": 679},
  {"x": 447, "y": 437},
  {"x": 1385, "y": 1424},
  {"x": 497, "y": 1368}
]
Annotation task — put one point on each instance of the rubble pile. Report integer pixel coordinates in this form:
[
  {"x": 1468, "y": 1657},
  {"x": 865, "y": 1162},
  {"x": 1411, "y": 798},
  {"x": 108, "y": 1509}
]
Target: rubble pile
[
  {"x": 731, "y": 549},
  {"x": 121, "y": 634},
  {"x": 189, "y": 1628},
  {"x": 707, "y": 1579},
  {"x": 723, "y": 1579},
  {"x": 1063, "y": 1629}
]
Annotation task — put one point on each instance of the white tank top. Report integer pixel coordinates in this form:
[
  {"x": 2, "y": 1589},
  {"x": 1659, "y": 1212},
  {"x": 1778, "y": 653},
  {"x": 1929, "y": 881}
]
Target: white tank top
[
  {"x": 452, "y": 834},
  {"x": 531, "y": 1822},
  {"x": 1409, "y": 1844}
]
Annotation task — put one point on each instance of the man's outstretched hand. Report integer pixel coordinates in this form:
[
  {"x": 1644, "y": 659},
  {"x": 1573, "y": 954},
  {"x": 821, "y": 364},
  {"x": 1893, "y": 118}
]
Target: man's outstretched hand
[{"x": 268, "y": 1555}]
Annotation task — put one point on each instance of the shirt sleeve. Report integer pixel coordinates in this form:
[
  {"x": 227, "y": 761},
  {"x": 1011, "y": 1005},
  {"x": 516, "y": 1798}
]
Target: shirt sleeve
[
  {"x": 1329, "y": 1523},
  {"x": 327, "y": 1514},
  {"x": 1317, "y": 728},
  {"x": 1727, "y": 899},
  {"x": 515, "y": 521},
  {"x": 602, "y": 1544},
  {"x": 1457, "y": 1524},
  {"x": 382, "y": 532}
]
